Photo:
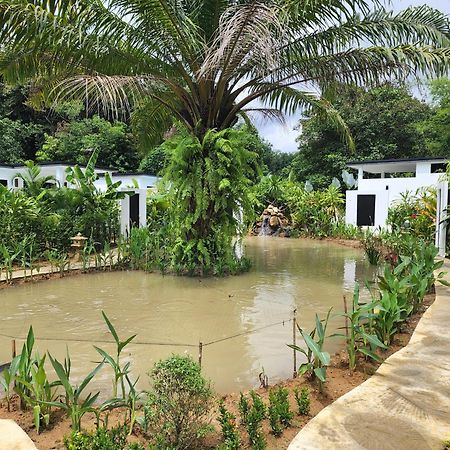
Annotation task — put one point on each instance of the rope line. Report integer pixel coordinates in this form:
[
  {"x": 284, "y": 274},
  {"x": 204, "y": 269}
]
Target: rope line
[
  {"x": 168, "y": 344},
  {"x": 248, "y": 332},
  {"x": 101, "y": 341}
]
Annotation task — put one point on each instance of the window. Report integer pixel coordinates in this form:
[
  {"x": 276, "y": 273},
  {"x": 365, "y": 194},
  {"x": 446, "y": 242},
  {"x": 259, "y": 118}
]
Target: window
[
  {"x": 4, "y": 183},
  {"x": 16, "y": 182},
  {"x": 365, "y": 213},
  {"x": 438, "y": 168}
]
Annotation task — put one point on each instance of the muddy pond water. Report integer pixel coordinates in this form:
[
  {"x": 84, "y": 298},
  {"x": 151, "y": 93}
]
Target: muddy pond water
[{"x": 242, "y": 315}]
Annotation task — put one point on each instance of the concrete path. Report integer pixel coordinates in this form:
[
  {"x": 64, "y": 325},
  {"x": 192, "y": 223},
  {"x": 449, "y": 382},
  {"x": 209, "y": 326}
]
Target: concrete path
[
  {"x": 404, "y": 406},
  {"x": 12, "y": 437}
]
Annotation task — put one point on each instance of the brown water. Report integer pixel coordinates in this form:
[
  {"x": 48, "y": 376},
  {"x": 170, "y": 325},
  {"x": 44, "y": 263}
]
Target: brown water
[{"x": 179, "y": 312}]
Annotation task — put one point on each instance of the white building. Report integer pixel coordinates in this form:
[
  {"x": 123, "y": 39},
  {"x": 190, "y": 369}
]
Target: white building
[
  {"x": 381, "y": 182},
  {"x": 133, "y": 207}
]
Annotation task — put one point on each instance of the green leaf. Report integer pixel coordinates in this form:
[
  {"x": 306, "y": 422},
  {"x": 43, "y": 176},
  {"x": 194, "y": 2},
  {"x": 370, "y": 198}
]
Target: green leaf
[
  {"x": 111, "y": 328},
  {"x": 370, "y": 354},
  {"x": 321, "y": 373}
]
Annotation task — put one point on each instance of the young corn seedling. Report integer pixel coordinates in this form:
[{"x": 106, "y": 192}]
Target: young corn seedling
[
  {"x": 120, "y": 372},
  {"x": 74, "y": 405}
]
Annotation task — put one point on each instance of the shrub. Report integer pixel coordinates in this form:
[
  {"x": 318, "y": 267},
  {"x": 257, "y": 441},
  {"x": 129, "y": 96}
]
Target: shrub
[
  {"x": 255, "y": 416},
  {"x": 303, "y": 401},
  {"x": 177, "y": 408},
  {"x": 231, "y": 438},
  {"x": 100, "y": 439}
]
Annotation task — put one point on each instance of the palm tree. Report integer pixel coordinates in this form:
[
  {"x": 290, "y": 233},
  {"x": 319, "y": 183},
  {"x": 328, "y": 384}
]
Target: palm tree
[
  {"x": 33, "y": 182},
  {"x": 203, "y": 63}
]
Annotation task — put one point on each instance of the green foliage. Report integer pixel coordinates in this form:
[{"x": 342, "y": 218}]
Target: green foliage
[
  {"x": 75, "y": 141},
  {"x": 155, "y": 161},
  {"x": 317, "y": 359},
  {"x": 415, "y": 214},
  {"x": 382, "y": 121},
  {"x": 279, "y": 411},
  {"x": 435, "y": 127},
  {"x": 209, "y": 182},
  {"x": 18, "y": 140},
  {"x": 230, "y": 434},
  {"x": 358, "y": 334},
  {"x": 253, "y": 424},
  {"x": 74, "y": 405},
  {"x": 303, "y": 401},
  {"x": 7, "y": 379},
  {"x": 372, "y": 245},
  {"x": 177, "y": 409},
  {"x": 244, "y": 408},
  {"x": 100, "y": 439}
]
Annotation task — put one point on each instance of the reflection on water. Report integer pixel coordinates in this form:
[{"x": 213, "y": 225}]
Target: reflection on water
[{"x": 180, "y": 312}]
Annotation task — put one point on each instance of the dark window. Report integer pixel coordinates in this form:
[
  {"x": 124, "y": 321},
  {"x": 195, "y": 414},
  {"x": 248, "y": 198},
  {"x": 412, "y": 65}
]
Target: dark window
[
  {"x": 4, "y": 183},
  {"x": 365, "y": 213},
  {"x": 134, "y": 211},
  {"x": 438, "y": 168},
  {"x": 16, "y": 182}
]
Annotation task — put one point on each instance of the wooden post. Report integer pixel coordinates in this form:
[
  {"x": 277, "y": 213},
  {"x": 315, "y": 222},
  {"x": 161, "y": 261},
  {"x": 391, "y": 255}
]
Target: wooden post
[
  {"x": 346, "y": 318},
  {"x": 13, "y": 348},
  {"x": 200, "y": 353},
  {"x": 294, "y": 340}
]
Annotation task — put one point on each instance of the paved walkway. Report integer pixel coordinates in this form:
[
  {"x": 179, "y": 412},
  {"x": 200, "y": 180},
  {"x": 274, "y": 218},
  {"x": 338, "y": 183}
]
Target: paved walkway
[
  {"x": 404, "y": 406},
  {"x": 12, "y": 437}
]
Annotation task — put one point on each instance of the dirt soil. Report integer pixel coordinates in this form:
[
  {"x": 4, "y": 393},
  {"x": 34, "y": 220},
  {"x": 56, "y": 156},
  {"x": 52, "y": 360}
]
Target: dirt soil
[{"x": 339, "y": 381}]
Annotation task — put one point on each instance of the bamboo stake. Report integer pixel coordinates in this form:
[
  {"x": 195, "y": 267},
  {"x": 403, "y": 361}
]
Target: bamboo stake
[
  {"x": 13, "y": 348},
  {"x": 294, "y": 340},
  {"x": 200, "y": 354},
  {"x": 346, "y": 318}
]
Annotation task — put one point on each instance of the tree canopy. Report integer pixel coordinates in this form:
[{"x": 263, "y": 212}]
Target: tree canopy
[{"x": 383, "y": 122}]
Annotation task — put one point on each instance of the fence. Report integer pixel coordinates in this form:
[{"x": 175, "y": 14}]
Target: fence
[{"x": 200, "y": 346}]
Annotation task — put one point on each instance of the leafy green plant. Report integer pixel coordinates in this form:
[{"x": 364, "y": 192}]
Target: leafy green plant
[
  {"x": 274, "y": 415},
  {"x": 256, "y": 415},
  {"x": 73, "y": 403},
  {"x": 244, "y": 408},
  {"x": 230, "y": 434},
  {"x": 120, "y": 372},
  {"x": 40, "y": 392},
  {"x": 303, "y": 401},
  {"x": 359, "y": 340},
  {"x": 7, "y": 379},
  {"x": 176, "y": 413},
  {"x": 317, "y": 359},
  {"x": 100, "y": 439},
  {"x": 24, "y": 369},
  {"x": 372, "y": 248}
]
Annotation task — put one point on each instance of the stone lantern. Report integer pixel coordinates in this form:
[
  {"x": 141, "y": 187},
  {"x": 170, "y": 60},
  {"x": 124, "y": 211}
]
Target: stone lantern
[{"x": 78, "y": 243}]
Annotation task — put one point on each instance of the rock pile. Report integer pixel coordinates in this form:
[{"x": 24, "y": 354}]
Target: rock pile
[{"x": 272, "y": 223}]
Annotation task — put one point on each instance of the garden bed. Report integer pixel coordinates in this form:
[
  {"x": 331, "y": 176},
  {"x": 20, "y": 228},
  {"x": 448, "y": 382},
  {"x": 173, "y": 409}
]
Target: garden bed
[{"x": 339, "y": 382}]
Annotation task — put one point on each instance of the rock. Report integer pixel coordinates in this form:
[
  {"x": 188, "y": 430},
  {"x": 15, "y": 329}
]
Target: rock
[{"x": 274, "y": 221}]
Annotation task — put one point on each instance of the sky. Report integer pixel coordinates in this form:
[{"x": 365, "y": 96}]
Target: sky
[{"x": 282, "y": 137}]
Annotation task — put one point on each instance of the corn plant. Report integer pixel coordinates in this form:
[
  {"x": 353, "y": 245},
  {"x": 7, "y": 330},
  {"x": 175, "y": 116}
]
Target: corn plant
[
  {"x": 120, "y": 372},
  {"x": 8, "y": 378},
  {"x": 317, "y": 359},
  {"x": 73, "y": 404},
  {"x": 8, "y": 257},
  {"x": 24, "y": 369},
  {"x": 303, "y": 401},
  {"x": 86, "y": 254},
  {"x": 40, "y": 392},
  {"x": 358, "y": 339}
]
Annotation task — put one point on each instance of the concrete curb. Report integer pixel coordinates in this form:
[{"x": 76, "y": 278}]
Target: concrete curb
[{"x": 404, "y": 406}]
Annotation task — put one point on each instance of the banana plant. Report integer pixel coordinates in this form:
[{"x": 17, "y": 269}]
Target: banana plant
[
  {"x": 74, "y": 405},
  {"x": 120, "y": 372},
  {"x": 317, "y": 359}
]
